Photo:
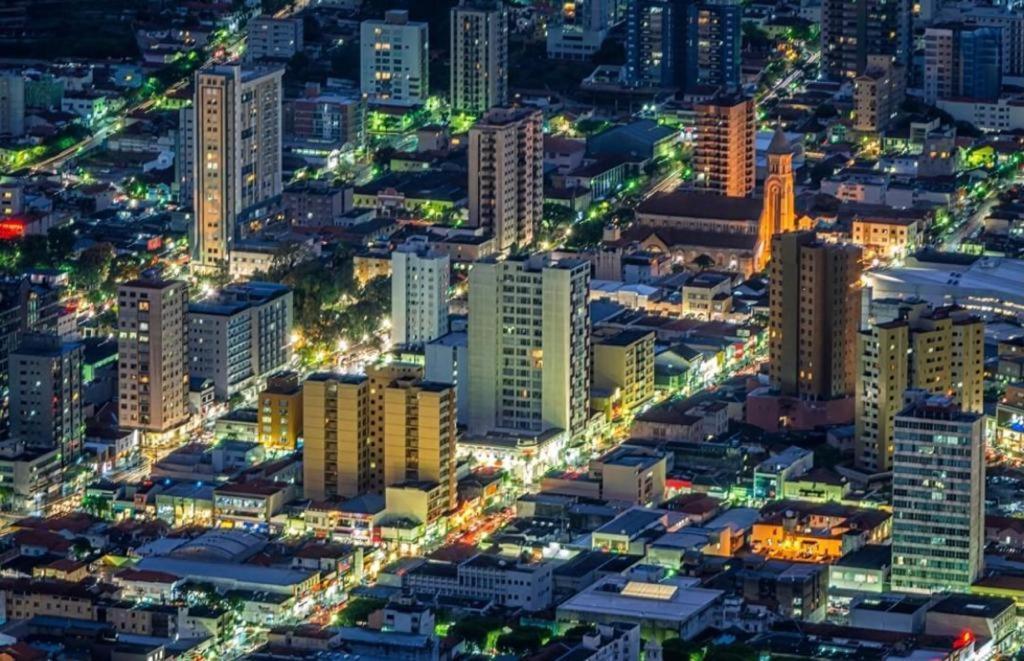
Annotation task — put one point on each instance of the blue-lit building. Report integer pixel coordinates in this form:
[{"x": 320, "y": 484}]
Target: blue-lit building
[
  {"x": 682, "y": 43},
  {"x": 981, "y": 65}
]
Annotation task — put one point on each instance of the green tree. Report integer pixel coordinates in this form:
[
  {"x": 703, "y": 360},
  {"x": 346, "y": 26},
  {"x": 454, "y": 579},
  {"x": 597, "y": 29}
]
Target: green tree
[
  {"x": 59, "y": 243},
  {"x": 34, "y": 251},
  {"x": 92, "y": 268},
  {"x": 522, "y": 640},
  {"x": 358, "y": 610},
  {"x": 476, "y": 629}
]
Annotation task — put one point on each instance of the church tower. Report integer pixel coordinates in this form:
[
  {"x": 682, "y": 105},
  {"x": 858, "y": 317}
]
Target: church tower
[{"x": 778, "y": 214}]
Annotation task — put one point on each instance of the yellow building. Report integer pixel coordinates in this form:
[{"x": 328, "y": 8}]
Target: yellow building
[
  {"x": 280, "y": 412},
  {"x": 885, "y": 238},
  {"x": 624, "y": 362},
  {"x": 335, "y": 410},
  {"x": 370, "y": 266}
]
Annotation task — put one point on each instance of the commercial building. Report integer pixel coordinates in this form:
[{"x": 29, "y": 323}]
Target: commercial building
[
  {"x": 270, "y": 38},
  {"x": 579, "y": 29},
  {"x": 624, "y": 364},
  {"x": 46, "y": 394},
  {"x": 280, "y": 412},
  {"x": 878, "y": 93},
  {"x": 152, "y": 349},
  {"x": 506, "y": 175},
  {"x": 32, "y": 476},
  {"x": 938, "y": 497},
  {"x": 325, "y": 120},
  {"x": 529, "y": 345},
  {"x": 723, "y": 158},
  {"x": 851, "y": 30},
  {"x": 479, "y": 56},
  {"x": 962, "y": 62},
  {"x": 505, "y": 583},
  {"x": 420, "y": 278},
  {"x": 394, "y": 58},
  {"x": 238, "y": 156},
  {"x": 940, "y": 351},
  {"x": 815, "y": 312},
  {"x": 240, "y": 335}
]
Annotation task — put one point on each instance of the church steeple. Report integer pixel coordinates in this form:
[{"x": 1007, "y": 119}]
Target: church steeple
[{"x": 778, "y": 215}]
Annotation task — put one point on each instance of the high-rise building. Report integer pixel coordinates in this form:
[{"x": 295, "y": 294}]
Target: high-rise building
[
  {"x": 394, "y": 59},
  {"x": 420, "y": 434},
  {"x": 240, "y": 335},
  {"x": 718, "y": 37},
  {"x": 279, "y": 425},
  {"x": 962, "y": 61},
  {"x": 12, "y": 104},
  {"x": 938, "y": 497},
  {"x": 725, "y": 150},
  {"x": 878, "y": 93},
  {"x": 46, "y": 394},
  {"x": 506, "y": 175},
  {"x": 270, "y": 38},
  {"x": 814, "y": 291},
  {"x": 529, "y": 345},
  {"x": 1007, "y": 19},
  {"x": 13, "y": 321},
  {"x": 778, "y": 214},
  {"x": 624, "y": 364},
  {"x": 479, "y": 49},
  {"x": 185, "y": 156},
  {"x": 851, "y": 30},
  {"x": 683, "y": 43},
  {"x": 419, "y": 293},
  {"x": 660, "y": 43},
  {"x": 152, "y": 351},
  {"x": 938, "y": 351},
  {"x": 237, "y": 156},
  {"x": 379, "y": 377},
  {"x": 336, "y": 428}
]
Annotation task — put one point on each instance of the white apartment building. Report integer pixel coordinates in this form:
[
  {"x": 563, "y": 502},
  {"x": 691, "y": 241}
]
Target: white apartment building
[
  {"x": 394, "y": 59},
  {"x": 529, "y": 345},
  {"x": 419, "y": 293}
]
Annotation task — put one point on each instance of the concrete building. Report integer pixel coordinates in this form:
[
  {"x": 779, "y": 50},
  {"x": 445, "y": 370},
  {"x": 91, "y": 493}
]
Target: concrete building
[
  {"x": 152, "y": 348},
  {"x": 419, "y": 436},
  {"x": 815, "y": 312},
  {"x": 658, "y": 44},
  {"x": 848, "y": 38},
  {"x": 336, "y": 428},
  {"x": 878, "y": 93},
  {"x": 529, "y": 345},
  {"x": 12, "y": 104},
  {"x": 394, "y": 59},
  {"x": 938, "y": 497},
  {"x": 962, "y": 62},
  {"x": 270, "y": 38},
  {"x": 419, "y": 293},
  {"x": 240, "y": 335},
  {"x": 624, "y": 364},
  {"x": 724, "y": 153},
  {"x": 325, "y": 120},
  {"x": 46, "y": 394},
  {"x": 446, "y": 360},
  {"x": 479, "y": 56},
  {"x": 579, "y": 29},
  {"x": 508, "y": 583},
  {"x": 778, "y": 213},
  {"x": 238, "y": 156},
  {"x": 940, "y": 351},
  {"x": 506, "y": 175},
  {"x": 280, "y": 412}
]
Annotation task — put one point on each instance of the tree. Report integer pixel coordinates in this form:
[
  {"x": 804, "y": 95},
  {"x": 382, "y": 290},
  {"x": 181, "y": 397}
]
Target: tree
[
  {"x": 357, "y": 611},
  {"x": 60, "y": 241},
  {"x": 522, "y": 640},
  {"x": 92, "y": 269},
  {"x": 34, "y": 251},
  {"x": 703, "y": 262},
  {"x": 476, "y": 629}
]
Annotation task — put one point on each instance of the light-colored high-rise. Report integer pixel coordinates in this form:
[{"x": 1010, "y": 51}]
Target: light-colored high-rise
[
  {"x": 814, "y": 291},
  {"x": 723, "y": 159},
  {"x": 46, "y": 394},
  {"x": 529, "y": 345},
  {"x": 12, "y": 104},
  {"x": 420, "y": 434},
  {"x": 938, "y": 351},
  {"x": 479, "y": 48},
  {"x": 237, "y": 158},
  {"x": 938, "y": 497},
  {"x": 419, "y": 293},
  {"x": 506, "y": 175},
  {"x": 152, "y": 348},
  {"x": 270, "y": 38},
  {"x": 394, "y": 59}
]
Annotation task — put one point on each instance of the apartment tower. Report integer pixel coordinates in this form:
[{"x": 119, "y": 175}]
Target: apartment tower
[
  {"x": 238, "y": 156},
  {"x": 724, "y": 155},
  {"x": 479, "y": 52},
  {"x": 506, "y": 175}
]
